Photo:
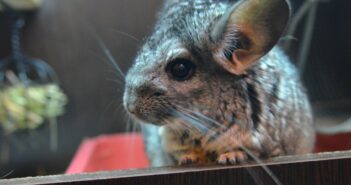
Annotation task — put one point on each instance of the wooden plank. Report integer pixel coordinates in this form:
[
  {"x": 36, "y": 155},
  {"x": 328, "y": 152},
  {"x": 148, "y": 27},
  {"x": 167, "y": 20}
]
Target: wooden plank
[{"x": 324, "y": 168}]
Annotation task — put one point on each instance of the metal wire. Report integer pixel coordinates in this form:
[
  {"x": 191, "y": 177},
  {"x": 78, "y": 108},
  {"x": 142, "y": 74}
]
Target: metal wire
[{"x": 27, "y": 70}]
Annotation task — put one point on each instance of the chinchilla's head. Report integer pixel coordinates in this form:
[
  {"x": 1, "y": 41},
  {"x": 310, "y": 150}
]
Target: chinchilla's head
[{"x": 197, "y": 54}]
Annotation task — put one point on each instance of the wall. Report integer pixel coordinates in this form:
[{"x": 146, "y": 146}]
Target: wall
[{"x": 63, "y": 33}]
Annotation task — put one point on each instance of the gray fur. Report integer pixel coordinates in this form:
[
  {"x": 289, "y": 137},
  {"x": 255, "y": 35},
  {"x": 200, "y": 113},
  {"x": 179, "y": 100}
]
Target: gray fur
[{"x": 267, "y": 105}]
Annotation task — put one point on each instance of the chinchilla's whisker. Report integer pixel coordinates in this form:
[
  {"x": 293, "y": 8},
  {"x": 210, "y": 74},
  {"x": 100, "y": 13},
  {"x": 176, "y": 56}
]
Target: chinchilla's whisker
[
  {"x": 255, "y": 176},
  {"x": 110, "y": 57},
  {"x": 190, "y": 121},
  {"x": 196, "y": 119},
  {"x": 187, "y": 122},
  {"x": 116, "y": 78},
  {"x": 115, "y": 72},
  {"x": 193, "y": 121},
  {"x": 133, "y": 123},
  {"x": 174, "y": 128},
  {"x": 129, "y": 124},
  {"x": 127, "y": 35},
  {"x": 6, "y": 174},
  {"x": 199, "y": 116},
  {"x": 210, "y": 120},
  {"x": 246, "y": 150},
  {"x": 117, "y": 81},
  {"x": 136, "y": 124},
  {"x": 261, "y": 164},
  {"x": 120, "y": 108},
  {"x": 110, "y": 107},
  {"x": 106, "y": 51}
]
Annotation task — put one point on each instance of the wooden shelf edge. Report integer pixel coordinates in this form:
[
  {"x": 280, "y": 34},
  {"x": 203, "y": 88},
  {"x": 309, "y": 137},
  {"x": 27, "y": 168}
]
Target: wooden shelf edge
[{"x": 316, "y": 164}]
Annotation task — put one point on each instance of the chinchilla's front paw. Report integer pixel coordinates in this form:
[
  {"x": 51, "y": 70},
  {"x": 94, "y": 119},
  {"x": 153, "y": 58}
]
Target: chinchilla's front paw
[
  {"x": 233, "y": 157},
  {"x": 190, "y": 159}
]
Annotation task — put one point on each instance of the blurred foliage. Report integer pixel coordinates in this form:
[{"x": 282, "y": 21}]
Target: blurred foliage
[{"x": 27, "y": 107}]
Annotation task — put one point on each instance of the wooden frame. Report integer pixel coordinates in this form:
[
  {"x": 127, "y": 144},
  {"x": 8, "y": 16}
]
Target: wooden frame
[{"x": 332, "y": 168}]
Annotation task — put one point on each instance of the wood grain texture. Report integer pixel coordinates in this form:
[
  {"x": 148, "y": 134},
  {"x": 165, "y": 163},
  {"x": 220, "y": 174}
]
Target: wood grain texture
[{"x": 319, "y": 169}]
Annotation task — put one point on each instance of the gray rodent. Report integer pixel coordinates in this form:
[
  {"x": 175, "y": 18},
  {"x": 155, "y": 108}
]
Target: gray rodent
[{"x": 211, "y": 86}]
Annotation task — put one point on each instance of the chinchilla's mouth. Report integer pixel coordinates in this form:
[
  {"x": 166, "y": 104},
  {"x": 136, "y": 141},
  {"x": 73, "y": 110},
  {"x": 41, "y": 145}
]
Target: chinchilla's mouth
[{"x": 155, "y": 118}]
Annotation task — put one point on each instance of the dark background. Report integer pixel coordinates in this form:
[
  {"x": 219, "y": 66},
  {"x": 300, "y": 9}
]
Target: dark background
[{"x": 63, "y": 33}]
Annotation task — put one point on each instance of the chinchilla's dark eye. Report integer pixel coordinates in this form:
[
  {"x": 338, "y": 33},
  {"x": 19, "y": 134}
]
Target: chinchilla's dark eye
[{"x": 180, "y": 69}]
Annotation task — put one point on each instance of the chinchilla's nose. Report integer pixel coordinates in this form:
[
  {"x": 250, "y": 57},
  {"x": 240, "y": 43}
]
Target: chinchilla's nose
[{"x": 138, "y": 98}]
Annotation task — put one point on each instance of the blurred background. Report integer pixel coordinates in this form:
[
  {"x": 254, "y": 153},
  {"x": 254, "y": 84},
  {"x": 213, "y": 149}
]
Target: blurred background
[{"x": 66, "y": 34}]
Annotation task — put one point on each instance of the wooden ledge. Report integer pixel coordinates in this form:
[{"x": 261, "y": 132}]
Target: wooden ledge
[{"x": 332, "y": 168}]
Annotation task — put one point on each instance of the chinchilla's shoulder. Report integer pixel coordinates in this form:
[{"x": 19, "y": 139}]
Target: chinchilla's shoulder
[{"x": 278, "y": 61}]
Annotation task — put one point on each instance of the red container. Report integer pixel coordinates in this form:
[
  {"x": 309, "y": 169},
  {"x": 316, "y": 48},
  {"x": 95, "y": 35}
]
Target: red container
[{"x": 109, "y": 152}]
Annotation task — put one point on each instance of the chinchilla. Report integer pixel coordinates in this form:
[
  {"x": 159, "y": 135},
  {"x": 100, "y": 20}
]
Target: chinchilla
[{"x": 210, "y": 85}]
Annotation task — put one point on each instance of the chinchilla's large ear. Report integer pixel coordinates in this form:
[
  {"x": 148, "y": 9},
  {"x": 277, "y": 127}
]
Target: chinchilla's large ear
[
  {"x": 247, "y": 31},
  {"x": 169, "y": 2}
]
